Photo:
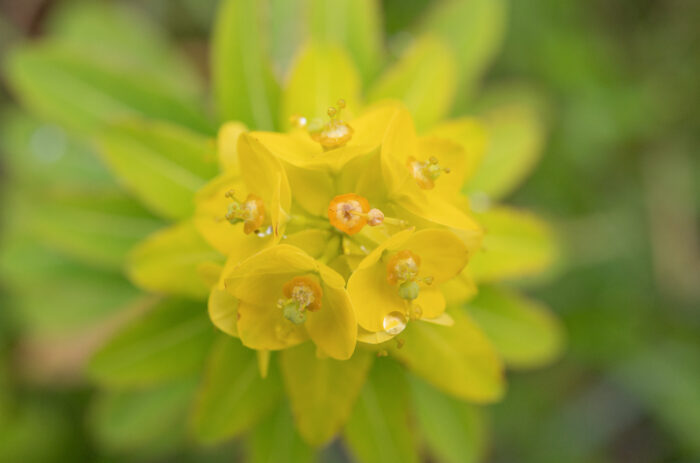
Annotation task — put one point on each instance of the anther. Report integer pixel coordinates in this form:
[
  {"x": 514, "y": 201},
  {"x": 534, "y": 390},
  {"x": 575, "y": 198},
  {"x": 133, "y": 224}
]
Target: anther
[
  {"x": 251, "y": 212},
  {"x": 302, "y": 295},
  {"x": 333, "y": 134},
  {"x": 426, "y": 172}
]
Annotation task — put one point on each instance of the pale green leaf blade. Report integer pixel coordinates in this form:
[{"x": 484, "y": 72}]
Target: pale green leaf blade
[
  {"x": 168, "y": 342},
  {"x": 95, "y": 228},
  {"x": 514, "y": 121},
  {"x": 459, "y": 360},
  {"x": 474, "y": 30},
  {"x": 233, "y": 396},
  {"x": 424, "y": 78},
  {"x": 454, "y": 431},
  {"x": 127, "y": 36},
  {"x": 322, "y": 391},
  {"x": 378, "y": 430},
  {"x": 145, "y": 421},
  {"x": 515, "y": 244},
  {"x": 321, "y": 75},
  {"x": 83, "y": 91},
  {"x": 353, "y": 24},
  {"x": 666, "y": 379},
  {"x": 275, "y": 440},
  {"x": 525, "y": 332},
  {"x": 169, "y": 262},
  {"x": 80, "y": 296},
  {"x": 244, "y": 86},
  {"x": 163, "y": 165}
]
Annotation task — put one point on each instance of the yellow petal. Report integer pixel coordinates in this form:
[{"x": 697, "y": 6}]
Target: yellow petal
[
  {"x": 459, "y": 360},
  {"x": 227, "y": 146},
  {"x": 399, "y": 143},
  {"x": 228, "y": 239},
  {"x": 264, "y": 175},
  {"x": 312, "y": 241},
  {"x": 334, "y": 328},
  {"x": 442, "y": 253},
  {"x": 431, "y": 302},
  {"x": 471, "y": 134},
  {"x": 260, "y": 327},
  {"x": 223, "y": 311},
  {"x": 460, "y": 289}
]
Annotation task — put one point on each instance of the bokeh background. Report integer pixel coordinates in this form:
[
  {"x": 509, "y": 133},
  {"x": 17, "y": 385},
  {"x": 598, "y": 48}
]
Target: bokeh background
[{"x": 619, "y": 178}]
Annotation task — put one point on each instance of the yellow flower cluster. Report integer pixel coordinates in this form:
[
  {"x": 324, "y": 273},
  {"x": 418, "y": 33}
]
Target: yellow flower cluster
[{"x": 338, "y": 231}]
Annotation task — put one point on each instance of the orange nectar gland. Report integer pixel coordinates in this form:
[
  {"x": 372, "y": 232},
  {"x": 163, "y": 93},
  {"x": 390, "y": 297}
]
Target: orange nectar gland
[
  {"x": 333, "y": 134},
  {"x": 402, "y": 270},
  {"x": 302, "y": 294},
  {"x": 251, "y": 212},
  {"x": 350, "y": 212},
  {"x": 426, "y": 172}
]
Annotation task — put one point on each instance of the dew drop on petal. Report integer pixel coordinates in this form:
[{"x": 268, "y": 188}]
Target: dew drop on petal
[{"x": 394, "y": 323}]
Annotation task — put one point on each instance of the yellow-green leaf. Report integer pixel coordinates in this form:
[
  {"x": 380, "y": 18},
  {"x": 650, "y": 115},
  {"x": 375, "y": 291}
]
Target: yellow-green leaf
[
  {"x": 353, "y": 24},
  {"x": 84, "y": 91},
  {"x": 169, "y": 262},
  {"x": 322, "y": 391},
  {"x": 275, "y": 440},
  {"x": 459, "y": 359},
  {"x": 321, "y": 74},
  {"x": 150, "y": 421},
  {"x": 515, "y": 244},
  {"x": 244, "y": 86},
  {"x": 168, "y": 342},
  {"x": 514, "y": 122},
  {"x": 378, "y": 430},
  {"x": 233, "y": 396},
  {"x": 524, "y": 332},
  {"x": 454, "y": 431},
  {"x": 424, "y": 78},
  {"x": 474, "y": 29},
  {"x": 162, "y": 164},
  {"x": 95, "y": 228}
]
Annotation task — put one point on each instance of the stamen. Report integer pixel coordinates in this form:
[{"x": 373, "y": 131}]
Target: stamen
[
  {"x": 426, "y": 172},
  {"x": 335, "y": 133},
  {"x": 402, "y": 270},
  {"x": 350, "y": 212},
  {"x": 251, "y": 212},
  {"x": 302, "y": 294}
]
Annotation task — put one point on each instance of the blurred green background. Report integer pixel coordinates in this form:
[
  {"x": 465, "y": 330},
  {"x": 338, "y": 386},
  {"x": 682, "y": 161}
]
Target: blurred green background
[{"x": 620, "y": 179}]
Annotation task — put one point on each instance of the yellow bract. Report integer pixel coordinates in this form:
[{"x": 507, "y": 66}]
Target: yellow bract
[{"x": 258, "y": 282}]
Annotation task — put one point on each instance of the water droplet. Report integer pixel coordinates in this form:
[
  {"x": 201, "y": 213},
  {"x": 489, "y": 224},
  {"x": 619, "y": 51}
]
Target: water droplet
[
  {"x": 48, "y": 143},
  {"x": 394, "y": 323}
]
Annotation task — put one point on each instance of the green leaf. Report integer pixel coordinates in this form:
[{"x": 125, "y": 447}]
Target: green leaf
[
  {"x": 170, "y": 341},
  {"x": 454, "y": 431},
  {"x": 162, "y": 164},
  {"x": 84, "y": 91},
  {"x": 474, "y": 30},
  {"x": 378, "y": 430},
  {"x": 423, "y": 78},
  {"x": 516, "y": 134},
  {"x": 72, "y": 297},
  {"x": 149, "y": 421},
  {"x": 459, "y": 360},
  {"x": 244, "y": 86},
  {"x": 275, "y": 440},
  {"x": 353, "y": 24},
  {"x": 320, "y": 75},
  {"x": 43, "y": 156},
  {"x": 95, "y": 228},
  {"x": 666, "y": 379},
  {"x": 525, "y": 333},
  {"x": 322, "y": 391},
  {"x": 515, "y": 244},
  {"x": 127, "y": 36},
  {"x": 233, "y": 396},
  {"x": 169, "y": 261}
]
